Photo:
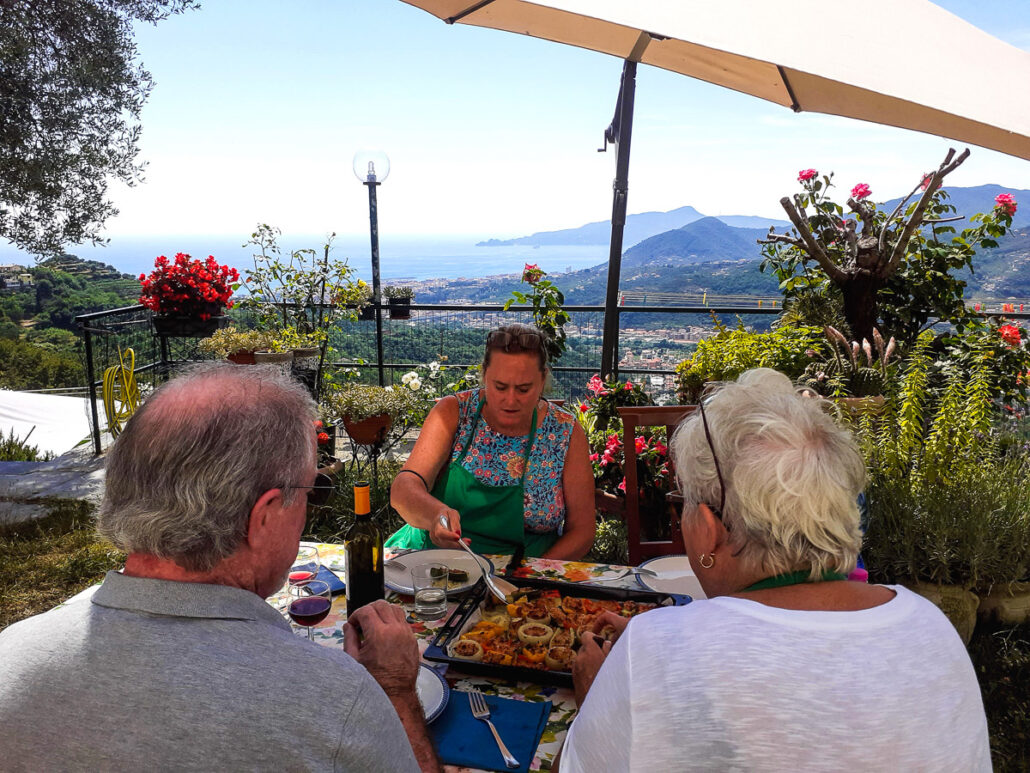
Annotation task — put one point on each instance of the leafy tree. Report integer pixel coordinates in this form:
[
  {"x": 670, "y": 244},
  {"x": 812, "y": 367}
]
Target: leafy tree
[{"x": 71, "y": 91}]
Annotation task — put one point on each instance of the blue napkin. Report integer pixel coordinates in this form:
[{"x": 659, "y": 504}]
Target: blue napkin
[
  {"x": 327, "y": 576},
  {"x": 463, "y": 740}
]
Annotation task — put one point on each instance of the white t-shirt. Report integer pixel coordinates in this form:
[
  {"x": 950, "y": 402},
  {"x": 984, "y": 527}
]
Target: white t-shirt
[{"x": 729, "y": 684}]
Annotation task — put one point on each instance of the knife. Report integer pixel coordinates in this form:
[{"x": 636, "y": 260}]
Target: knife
[{"x": 516, "y": 560}]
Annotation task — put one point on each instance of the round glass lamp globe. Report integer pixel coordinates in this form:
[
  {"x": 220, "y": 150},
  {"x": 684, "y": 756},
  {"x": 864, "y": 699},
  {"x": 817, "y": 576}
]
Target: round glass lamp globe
[{"x": 371, "y": 166}]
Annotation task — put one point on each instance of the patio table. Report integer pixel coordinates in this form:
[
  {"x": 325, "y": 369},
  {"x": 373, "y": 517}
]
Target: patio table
[{"x": 330, "y": 634}]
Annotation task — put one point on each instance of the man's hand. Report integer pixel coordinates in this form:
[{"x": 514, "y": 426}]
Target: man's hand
[
  {"x": 589, "y": 659},
  {"x": 379, "y": 638},
  {"x": 445, "y": 530}
]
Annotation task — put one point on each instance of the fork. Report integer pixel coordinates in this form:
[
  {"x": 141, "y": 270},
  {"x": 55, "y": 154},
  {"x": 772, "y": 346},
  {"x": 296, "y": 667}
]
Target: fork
[{"x": 477, "y": 702}]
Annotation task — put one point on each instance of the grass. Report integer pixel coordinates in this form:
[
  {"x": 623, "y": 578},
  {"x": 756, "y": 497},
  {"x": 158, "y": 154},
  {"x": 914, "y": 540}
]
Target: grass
[{"x": 49, "y": 560}]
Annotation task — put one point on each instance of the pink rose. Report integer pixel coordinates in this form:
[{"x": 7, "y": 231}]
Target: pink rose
[
  {"x": 927, "y": 178},
  {"x": 629, "y": 386},
  {"x": 1006, "y": 203},
  {"x": 532, "y": 273},
  {"x": 806, "y": 174},
  {"x": 860, "y": 191}
]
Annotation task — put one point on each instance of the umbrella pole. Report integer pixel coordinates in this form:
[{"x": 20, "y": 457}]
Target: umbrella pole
[{"x": 620, "y": 133}]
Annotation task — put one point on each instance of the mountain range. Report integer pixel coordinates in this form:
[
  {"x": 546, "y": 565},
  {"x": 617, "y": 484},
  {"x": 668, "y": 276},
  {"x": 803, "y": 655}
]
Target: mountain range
[
  {"x": 642, "y": 226},
  {"x": 709, "y": 253},
  {"x": 638, "y": 227}
]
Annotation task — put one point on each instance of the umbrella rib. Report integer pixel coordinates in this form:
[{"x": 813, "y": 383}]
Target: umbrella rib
[
  {"x": 790, "y": 90},
  {"x": 467, "y": 11}
]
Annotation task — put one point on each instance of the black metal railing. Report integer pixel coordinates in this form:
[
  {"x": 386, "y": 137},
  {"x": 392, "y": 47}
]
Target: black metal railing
[{"x": 451, "y": 333}]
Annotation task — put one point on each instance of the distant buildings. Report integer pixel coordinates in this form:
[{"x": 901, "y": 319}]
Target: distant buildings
[{"x": 14, "y": 277}]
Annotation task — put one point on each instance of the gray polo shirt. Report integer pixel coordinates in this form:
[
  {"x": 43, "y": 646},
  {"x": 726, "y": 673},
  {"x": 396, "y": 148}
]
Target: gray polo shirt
[{"x": 185, "y": 676}]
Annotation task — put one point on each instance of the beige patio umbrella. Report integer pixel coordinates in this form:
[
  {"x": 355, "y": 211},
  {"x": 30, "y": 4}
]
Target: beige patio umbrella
[{"x": 905, "y": 63}]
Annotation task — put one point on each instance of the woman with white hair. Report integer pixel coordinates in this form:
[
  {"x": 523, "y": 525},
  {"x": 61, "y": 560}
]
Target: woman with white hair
[{"x": 787, "y": 665}]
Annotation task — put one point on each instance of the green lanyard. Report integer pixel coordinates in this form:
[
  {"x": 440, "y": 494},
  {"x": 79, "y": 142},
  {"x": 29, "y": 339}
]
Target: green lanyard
[{"x": 792, "y": 578}]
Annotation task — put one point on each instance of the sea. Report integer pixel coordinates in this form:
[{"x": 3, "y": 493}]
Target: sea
[{"x": 407, "y": 258}]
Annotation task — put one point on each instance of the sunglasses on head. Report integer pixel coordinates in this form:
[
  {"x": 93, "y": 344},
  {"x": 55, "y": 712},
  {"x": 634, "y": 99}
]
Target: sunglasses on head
[
  {"x": 502, "y": 339},
  {"x": 715, "y": 458},
  {"x": 318, "y": 492}
]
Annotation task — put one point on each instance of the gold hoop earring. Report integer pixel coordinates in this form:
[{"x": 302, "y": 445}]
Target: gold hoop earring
[{"x": 711, "y": 561}]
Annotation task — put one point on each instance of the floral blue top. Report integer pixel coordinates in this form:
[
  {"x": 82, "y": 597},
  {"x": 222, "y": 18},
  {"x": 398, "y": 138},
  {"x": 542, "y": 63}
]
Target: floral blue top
[{"x": 496, "y": 460}]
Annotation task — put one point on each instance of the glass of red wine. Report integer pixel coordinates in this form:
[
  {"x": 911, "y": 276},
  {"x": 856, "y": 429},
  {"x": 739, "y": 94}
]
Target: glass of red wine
[
  {"x": 310, "y": 602},
  {"x": 306, "y": 565}
]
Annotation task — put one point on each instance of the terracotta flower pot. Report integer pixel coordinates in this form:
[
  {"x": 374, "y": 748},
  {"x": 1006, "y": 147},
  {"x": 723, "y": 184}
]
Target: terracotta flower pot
[
  {"x": 370, "y": 431},
  {"x": 1008, "y": 603},
  {"x": 242, "y": 358}
]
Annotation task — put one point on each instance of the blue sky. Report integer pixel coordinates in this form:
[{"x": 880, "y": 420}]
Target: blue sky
[{"x": 260, "y": 105}]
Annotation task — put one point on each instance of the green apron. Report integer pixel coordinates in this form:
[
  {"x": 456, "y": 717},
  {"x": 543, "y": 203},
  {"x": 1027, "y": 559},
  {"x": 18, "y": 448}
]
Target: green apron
[{"x": 492, "y": 516}]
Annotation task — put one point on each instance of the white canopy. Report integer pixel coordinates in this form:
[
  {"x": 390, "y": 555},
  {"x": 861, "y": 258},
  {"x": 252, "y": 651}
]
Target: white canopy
[{"x": 905, "y": 63}]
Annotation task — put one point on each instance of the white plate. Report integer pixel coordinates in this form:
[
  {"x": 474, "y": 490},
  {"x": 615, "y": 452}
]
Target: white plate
[
  {"x": 433, "y": 692},
  {"x": 674, "y": 576},
  {"x": 400, "y": 579}
]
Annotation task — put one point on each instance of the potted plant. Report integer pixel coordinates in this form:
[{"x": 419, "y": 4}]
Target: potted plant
[
  {"x": 855, "y": 374},
  {"x": 367, "y": 411},
  {"x": 366, "y": 309},
  {"x": 237, "y": 346},
  {"x": 400, "y": 301},
  {"x": 187, "y": 296},
  {"x": 947, "y": 511},
  {"x": 302, "y": 290}
]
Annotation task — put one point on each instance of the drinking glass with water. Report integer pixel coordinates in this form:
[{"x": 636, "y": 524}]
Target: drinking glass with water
[{"x": 429, "y": 581}]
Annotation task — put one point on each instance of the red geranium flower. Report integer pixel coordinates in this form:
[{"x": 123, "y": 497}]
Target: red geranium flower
[
  {"x": 1010, "y": 334},
  {"x": 323, "y": 438},
  {"x": 188, "y": 287}
]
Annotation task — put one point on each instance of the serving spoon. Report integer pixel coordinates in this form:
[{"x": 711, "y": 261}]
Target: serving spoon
[{"x": 502, "y": 589}]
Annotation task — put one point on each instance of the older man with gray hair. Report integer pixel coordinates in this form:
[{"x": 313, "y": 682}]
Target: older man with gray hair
[{"x": 177, "y": 662}]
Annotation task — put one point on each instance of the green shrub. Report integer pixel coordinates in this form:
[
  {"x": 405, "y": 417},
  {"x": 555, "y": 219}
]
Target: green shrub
[
  {"x": 729, "y": 353},
  {"x": 946, "y": 498},
  {"x": 14, "y": 449}
]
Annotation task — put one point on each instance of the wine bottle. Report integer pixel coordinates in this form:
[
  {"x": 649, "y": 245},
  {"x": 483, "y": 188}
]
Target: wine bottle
[{"x": 363, "y": 546}]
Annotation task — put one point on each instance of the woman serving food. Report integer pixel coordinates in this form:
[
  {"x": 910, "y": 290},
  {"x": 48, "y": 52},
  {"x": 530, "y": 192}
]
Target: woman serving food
[{"x": 504, "y": 466}]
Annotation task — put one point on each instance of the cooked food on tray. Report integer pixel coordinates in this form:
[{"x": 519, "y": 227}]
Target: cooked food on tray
[{"x": 539, "y": 629}]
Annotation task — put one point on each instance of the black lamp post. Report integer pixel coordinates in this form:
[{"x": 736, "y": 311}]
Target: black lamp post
[{"x": 372, "y": 168}]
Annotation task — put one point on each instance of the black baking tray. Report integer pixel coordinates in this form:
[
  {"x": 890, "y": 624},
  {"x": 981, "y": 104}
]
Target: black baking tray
[{"x": 437, "y": 649}]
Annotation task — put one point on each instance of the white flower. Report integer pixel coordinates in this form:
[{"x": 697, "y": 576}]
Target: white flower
[
  {"x": 408, "y": 377},
  {"x": 414, "y": 384},
  {"x": 389, "y": 388},
  {"x": 434, "y": 366}
]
